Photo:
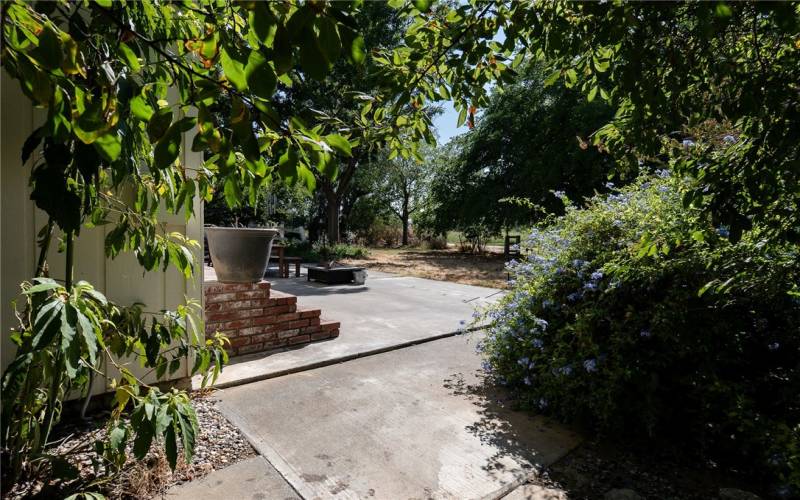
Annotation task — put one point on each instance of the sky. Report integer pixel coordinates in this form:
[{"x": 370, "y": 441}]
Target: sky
[{"x": 446, "y": 123}]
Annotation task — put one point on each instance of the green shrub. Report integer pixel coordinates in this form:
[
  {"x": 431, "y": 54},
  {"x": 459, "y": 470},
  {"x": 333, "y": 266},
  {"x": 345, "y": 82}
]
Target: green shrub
[
  {"x": 633, "y": 317},
  {"x": 312, "y": 252},
  {"x": 346, "y": 251}
]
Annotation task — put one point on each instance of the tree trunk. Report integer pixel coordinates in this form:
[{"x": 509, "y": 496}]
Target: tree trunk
[
  {"x": 334, "y": 196},
  {"x": 405, "y": 230},
  {"x": 404, "y": 218},
  {"x": 332, "y": 211}
]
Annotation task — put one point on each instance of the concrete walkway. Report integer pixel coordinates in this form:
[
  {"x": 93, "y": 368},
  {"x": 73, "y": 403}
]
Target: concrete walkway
[
  {"x": 410, "y": 423},
  {"x": 388, "y": 312},
  {"x": 253, "y": 478}
]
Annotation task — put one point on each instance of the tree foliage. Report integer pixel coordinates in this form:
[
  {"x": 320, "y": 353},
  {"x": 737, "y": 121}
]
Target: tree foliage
[
  {"x": 402, "y": 189},
  {"x": 350, "y": 101},
  {"x": 668, "y": 69},
  {"x": 529, "y": 141},
  {"x": 664, "y": 69}
]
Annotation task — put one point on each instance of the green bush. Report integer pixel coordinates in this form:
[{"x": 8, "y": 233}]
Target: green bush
[
  {"x": 313, "y": 252},
  {"x": 635, "y": 318}
]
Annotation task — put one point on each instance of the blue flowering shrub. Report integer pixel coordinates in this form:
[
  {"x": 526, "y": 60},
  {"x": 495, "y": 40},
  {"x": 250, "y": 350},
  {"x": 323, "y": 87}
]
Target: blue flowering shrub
[{"x": 631, "y": 316}]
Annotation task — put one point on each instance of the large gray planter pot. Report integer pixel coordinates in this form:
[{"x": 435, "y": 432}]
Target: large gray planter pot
[{"x": 240, "y": 255}]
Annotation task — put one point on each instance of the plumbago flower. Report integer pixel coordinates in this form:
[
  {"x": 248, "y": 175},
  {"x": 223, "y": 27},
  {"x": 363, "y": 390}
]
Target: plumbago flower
[
  {"x": 565, "y": 370},
  {"x": 531, "y": 340},
  {"x": 567, "y": 266}
]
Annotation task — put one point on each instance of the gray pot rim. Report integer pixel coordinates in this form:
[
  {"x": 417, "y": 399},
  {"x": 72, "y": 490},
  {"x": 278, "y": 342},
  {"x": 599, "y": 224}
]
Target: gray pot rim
[{"x": 254, "y": 231}]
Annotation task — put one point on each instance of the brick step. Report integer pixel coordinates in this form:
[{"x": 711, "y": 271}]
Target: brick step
[
  {"x": 226, "y": 292},
  {"x": 267, "y": 337},
  {"x": 257, "y": 318},
  {"x": 283, "y": 298},
  {"x": 237, "y": 311},
  {"x": 327, "y": 330},
  {"x": 251, "y": 301}
]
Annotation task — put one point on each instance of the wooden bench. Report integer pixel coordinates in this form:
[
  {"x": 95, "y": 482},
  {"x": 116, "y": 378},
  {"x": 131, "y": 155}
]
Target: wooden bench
[
  {"x": 511, "y": 246},
  {"x": 287, "y": 261}
]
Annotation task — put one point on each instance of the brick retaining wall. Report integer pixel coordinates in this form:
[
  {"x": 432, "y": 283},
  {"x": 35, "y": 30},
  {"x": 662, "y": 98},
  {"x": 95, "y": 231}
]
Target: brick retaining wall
[{"x": 256, "y": 318}]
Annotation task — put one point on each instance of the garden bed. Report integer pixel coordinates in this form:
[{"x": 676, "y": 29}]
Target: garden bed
[
  {"x": 603, "y": 470},
  {"x": 606, "y": 468},
  {"x": 219, "y": 445}
]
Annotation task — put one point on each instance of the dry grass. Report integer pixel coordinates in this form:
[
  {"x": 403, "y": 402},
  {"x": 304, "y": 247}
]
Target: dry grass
[
  {"x": 148, "y": 478},
  {"x": 443, "y": 265}
]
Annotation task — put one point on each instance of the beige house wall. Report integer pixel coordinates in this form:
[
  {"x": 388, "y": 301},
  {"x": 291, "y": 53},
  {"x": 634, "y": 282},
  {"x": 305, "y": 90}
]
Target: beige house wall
[{"x": 121, "y": 279}]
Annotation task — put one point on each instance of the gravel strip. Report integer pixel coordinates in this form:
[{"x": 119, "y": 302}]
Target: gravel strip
[{"x": 219, "y": 445}]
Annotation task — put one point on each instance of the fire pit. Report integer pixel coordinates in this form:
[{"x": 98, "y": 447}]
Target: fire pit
[{"x": 336, "y": 275}]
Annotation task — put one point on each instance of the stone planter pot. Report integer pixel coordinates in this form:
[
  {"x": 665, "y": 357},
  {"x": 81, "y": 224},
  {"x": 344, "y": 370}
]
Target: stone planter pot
[{"x": 240, "y": 255}]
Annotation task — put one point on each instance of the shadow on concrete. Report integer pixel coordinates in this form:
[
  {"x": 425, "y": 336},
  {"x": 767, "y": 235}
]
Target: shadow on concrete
[
  {"x": 589, "y": 471},
  {"x": 303, "y": 288},
  {"x": 513, "y": 433},
  {"x": 264, "y": 355}
]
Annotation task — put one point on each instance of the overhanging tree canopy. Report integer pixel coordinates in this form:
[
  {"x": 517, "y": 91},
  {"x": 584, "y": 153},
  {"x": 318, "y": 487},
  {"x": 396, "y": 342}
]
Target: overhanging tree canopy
[{"x": 122, "y": 83}]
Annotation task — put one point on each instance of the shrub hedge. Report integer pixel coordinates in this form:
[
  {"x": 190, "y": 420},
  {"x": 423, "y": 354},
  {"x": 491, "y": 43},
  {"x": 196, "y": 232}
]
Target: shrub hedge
[{"x": 635, "y": 318}]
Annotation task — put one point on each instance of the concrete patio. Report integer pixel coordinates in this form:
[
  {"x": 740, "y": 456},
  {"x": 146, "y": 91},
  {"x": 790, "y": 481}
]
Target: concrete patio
[
  {"x": 412, "y": 423},
  {"x": 388, "y": 312},
  {"x": 408, "y": 415}
]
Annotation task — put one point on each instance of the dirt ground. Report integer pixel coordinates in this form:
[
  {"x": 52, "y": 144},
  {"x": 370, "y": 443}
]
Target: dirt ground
[{"x": 443, "y": 265}]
